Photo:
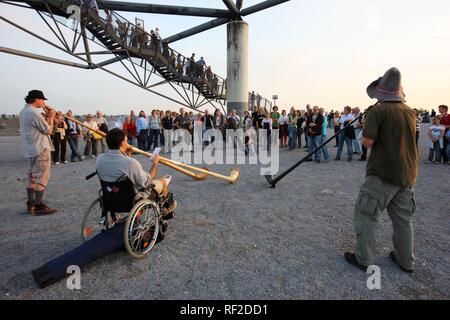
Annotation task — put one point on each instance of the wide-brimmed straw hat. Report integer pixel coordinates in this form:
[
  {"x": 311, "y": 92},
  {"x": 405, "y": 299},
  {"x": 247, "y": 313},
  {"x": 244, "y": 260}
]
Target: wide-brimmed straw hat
[{"x": 388, "y": 88}]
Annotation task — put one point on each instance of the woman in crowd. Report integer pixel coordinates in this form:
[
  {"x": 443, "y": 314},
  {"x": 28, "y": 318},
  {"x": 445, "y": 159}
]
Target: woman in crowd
[
  {"x": 336, "y": 126},
  {"x": 129, "y": 127},
  {"x": 142, "y": 131},
  {"x": 198, "y": 129},
  {"x": 90, "y": 137},
  {"x": 282, "y": 121},
  {"x": 300, "y": 120},
  {"x": 59, "y": 139},
  {"x": 219, "y": 122},
  {"x": 154, "y": 126},
  {"x": 292, "y": 129},
  {"x": 102, "y": 125}
]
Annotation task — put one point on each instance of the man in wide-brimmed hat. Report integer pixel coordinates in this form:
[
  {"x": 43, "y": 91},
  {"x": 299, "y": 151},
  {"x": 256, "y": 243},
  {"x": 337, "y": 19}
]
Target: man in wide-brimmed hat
[
  {"x": 390, "y": 131},
  {"x": 35, "y": 131}
]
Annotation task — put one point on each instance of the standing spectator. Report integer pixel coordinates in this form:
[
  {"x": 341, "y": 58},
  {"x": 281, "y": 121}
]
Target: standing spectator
[
  {"x": 248, "y": 126},
  {"x": 219, "y": 122},
  {"x": 436, "y": 134},
  {"x": 330, "y": 119},
  {"x": 300, "y": 121},
  {"x": 207, "y": 121},
  {"x": 73, "y": 133},
  {"x": 418, "y": 125},
  {"x": 326, "y": 156},
  {"x": 198, "y": 130},
  {"x": 252, "y": 99},
  {"x": 445, "y": 121},
  {"x": 36, "y": 147},
  {"x": 292, "y": 129},
  {"x": 346, "y": 136},
  {"x": 167, "y": 125},
  {"x": 142, "y": 131},
  {"x": 283, "y": 123},
  {"x": 358, "y": 128},
  {"x": 129, "y": 127},
  {"x": 308, "y": 114},
  {"x": 266, "y": 124},
  {"x": 275, "y": 115},
  {"x": 90, "y": 137},
  {"x": 102, "y": 125},
  {"x": 314, "y": 125},
  {"x": 132, "y": 116},
  {"x": 155, "y": 129},
  {"x": 162, "y": 136},
  {"x": 255, "y": 116},
  {"x": 433, "y": 113},
  {"x": 59, "y": 140},
  {"x": 336, "y": 126},
  {"x": 391, "y": 173},
  {"x": 364, "y": 149},
  {"x": 258, "y": 100}
]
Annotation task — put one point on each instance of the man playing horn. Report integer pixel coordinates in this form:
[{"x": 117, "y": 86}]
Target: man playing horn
[
  {"x": 35, "y": 131},
  {"x": 112, "y": 166}
]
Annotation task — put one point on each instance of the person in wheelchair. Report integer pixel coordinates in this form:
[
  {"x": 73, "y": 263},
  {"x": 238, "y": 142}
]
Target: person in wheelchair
[{"x": 124, "y": 182}]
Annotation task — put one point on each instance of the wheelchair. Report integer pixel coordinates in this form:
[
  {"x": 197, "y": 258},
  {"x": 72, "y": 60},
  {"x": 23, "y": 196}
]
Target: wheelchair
[{"x": 144, "y": 214}]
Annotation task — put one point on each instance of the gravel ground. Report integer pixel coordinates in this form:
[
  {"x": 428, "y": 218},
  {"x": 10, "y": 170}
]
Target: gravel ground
[{"x": 243, "y": 241}]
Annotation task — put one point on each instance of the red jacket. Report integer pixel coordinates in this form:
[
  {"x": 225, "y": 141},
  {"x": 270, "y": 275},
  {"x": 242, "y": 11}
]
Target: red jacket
[{"x": 130, "y": 129}]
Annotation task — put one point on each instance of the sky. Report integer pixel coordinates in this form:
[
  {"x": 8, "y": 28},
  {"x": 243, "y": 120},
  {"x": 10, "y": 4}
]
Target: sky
[{"x": 321, "y": 52}]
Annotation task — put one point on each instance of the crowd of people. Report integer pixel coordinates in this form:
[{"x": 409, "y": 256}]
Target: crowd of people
[{"x": 306, "y": 129}]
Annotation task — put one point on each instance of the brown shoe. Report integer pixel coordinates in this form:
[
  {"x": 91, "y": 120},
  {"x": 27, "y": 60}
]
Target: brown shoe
[
  {"x": 30, "y": 207},
  {"x": 42, "y": 209}
]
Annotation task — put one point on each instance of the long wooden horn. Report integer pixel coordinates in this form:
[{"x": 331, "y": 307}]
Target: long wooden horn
[{"x": 162, "y": 160}]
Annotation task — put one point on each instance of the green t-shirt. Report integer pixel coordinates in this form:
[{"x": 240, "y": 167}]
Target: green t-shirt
[
  {"x": 275, "y": 116},
  {"x": 394, "y": 155}
]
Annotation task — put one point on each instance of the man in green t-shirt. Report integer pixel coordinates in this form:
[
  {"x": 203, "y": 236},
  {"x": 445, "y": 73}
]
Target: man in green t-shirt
[{"x": 392, "y": 168}]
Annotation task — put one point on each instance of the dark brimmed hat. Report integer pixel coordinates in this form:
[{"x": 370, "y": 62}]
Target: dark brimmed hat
[
  {"x": 388, "y": 88},
  {"x": 35, "y": 94}
]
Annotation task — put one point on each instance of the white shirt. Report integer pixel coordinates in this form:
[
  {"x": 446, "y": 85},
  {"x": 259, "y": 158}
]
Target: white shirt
[
  {"x": 346, "y": 117},
  {"x": 283, "y": 120},
  {"x": 113, "y": 164}
]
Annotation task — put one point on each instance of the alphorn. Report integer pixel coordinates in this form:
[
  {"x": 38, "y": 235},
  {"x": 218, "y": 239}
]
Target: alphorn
[{"x": 179, "y": 166}]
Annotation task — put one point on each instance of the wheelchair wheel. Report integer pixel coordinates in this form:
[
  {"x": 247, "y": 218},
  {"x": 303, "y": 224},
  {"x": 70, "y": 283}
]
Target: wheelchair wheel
[
  {"x": 142, "y": 228},
  {"x": 90, "y": 225}
]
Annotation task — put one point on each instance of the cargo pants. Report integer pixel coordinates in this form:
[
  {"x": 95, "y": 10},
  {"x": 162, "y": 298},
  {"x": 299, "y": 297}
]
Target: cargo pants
[{"x": 374, "y": 197}]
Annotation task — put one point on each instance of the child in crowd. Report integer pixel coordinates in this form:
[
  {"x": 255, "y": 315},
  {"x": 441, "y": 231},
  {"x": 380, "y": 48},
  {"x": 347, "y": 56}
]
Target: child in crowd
[{"x": 436, "y": 135}]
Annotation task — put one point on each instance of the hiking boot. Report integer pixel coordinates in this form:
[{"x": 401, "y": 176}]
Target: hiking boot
[
  {"x": 42, "y": 209},
  {"x": 392, "y": 256},
  {"x": 30, "y": 207},
  {"x": 351, "y": 258}
]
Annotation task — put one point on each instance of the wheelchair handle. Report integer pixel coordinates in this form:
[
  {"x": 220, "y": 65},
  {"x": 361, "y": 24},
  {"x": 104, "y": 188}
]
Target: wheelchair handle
[{"x": 91, "y": 175}]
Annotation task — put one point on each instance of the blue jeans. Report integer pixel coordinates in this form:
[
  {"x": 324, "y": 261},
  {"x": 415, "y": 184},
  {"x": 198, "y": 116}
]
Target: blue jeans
[
  {"x": 292, "y": 133},
  {"x": 313, "y": 143},
  {"x": 326, "y": 156},
  {"x": 142, "y": 140},
  {"x": 105, "y": 243},
  {"x": 348, "y": 142},
  {"x": 73, "y": 143},
  {"x": 153, "y": 138}
]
